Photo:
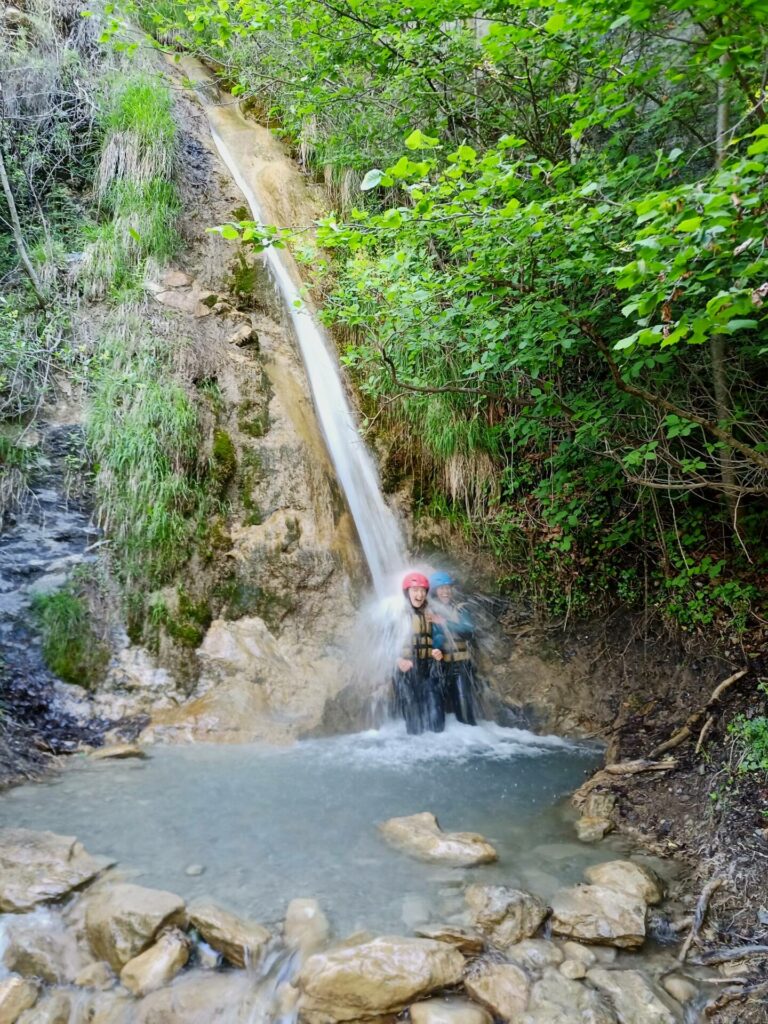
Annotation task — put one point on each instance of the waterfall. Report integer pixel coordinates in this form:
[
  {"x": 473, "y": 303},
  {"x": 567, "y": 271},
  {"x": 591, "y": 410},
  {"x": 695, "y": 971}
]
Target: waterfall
[{"x": 377, "y": 528}]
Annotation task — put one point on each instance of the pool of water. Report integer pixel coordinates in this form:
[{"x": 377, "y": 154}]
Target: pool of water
[{"x": 268, "y": 825}]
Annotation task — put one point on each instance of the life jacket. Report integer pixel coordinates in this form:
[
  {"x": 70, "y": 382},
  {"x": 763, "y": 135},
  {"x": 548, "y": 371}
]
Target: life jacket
[
  {"x": 455, "y": 648},
  {"x": 419, "y": 646}
]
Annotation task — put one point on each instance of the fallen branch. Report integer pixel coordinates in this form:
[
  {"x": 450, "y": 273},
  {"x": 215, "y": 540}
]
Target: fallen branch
[
  {"x": 700, "y": 913},
  {"x": 734, "y": 995},
  {"x": 705, "y": 730},
  {"x": 608, "y": 775},
  {"x": 724, "y": 956},
  {"x": 686, "y": 731}
]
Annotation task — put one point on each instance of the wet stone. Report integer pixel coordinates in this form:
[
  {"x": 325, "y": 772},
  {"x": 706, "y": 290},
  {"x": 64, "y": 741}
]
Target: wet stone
[{"x": 505, "y": 915}]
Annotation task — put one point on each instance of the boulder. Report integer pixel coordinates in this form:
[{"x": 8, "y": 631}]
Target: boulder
[
  {"x": 119, "y": 751},
  {"x": 467, "y": 941},
  {"x": 306, "y": 926},
  {"x": 107, "y": 1008},
  {"x": 240, "y": 941},
  {"x": 636, "y": 1000},
  {"x": 505, "y": 915},
  {"x": 573, "y": 969},
  {"x": 535, "y": 954},
  {"x": 42, "y": 948},
  {"x": 627, "y": 877},
  {"x": 383, "y": 975},
  {"x": 575, "y": 951},
  {"x": 420, "y": 836},
  {"x": 596, "y": 914},
  {"x": 200, "y": 997},
  {"x": 502, "y": 988},
  {"x": 592, "y": 830},
  {"x": 157, "y": 965},
  {"x": 54, "y": 1008},
  {"x": 16, "y": 995},
  {"x": 36, "y": 867},
  {"x": 557, "y": 1000},
  {"x": 97, "y": 975},
  {"x": 122, "y": 920},
  {"x": 449, "y": 1010}
]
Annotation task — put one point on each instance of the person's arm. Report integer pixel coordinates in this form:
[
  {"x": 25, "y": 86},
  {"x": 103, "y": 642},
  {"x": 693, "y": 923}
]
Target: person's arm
[{"x": 462, "y": 627}]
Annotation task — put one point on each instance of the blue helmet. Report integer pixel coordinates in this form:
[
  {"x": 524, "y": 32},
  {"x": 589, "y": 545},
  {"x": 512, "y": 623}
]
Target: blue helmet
[{"x": 441, "y": 579}]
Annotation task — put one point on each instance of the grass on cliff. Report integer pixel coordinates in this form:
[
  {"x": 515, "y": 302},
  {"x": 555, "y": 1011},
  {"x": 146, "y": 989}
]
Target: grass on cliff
[{"x": 71, "y": 648}]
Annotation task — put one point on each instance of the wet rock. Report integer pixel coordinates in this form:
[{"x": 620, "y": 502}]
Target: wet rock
[
  {"x": 122, "y": 920},
  {"x": 240, "y": 941},
  {"x": 36, "y": 867},
  {"x": 575, "y": 951},
  {"x": 199, "y": 998},
  {"x": 599, "y": 805},
  {"x": 449, "y": 1011},
  {"x": 97, "y": 975},
  {"x": 596, "y": 914},
  {"x": 420, "y": 836},
  {"x": 194, "y": 870},
  {"x": 119, "y": 751},
  {"x": 467, "y": 941},
  {"x": 505, "y": 915},
  {"x": 380, "y": 976},
  {"x": 573, "y": 969},
  {"x": 502, "y": 988},
  {"x": 679, "y": 987},
  {"x": 54, "y": 1008},
  {"x": 157, "y": 965},
  {"x": 635, "y": 999},
  {"x": 244, "y": 335},
  {"x": 306, "y": 926},
  {"x": 592, "y": 830},
  {"x": 41, "y": 948},
  {"x": 16, "y": 995},
  {"x": 557, "y": 1000},
  {"x": 535, "y": 954},
  {"x": 628, "y": 877},
  {"x": 108, "y": 1008}
]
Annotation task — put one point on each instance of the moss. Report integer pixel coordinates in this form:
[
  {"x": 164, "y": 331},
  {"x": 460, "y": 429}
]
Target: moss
[
  {"x": 188, "y": 625},
  {"x": 224, "y": 457},
  {"x": 241, "y": 597},
  {"x": 214, "y": 536},
  {"x": 72, "y": 648},
  {"x": 244, "y": 277},
  {"x": 253, "y": 418}
]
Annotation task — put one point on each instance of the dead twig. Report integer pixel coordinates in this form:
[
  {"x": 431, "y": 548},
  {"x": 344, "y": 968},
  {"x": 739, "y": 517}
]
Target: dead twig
[
  {"x": 724, "y": 956},
  {"x": 733, "y": 995},
  {"x": 700, "y": 913},
  {"x": 609, "y": 774},
  {"x": 686, "y": 731},
  {"x": 705, "y": 729}
]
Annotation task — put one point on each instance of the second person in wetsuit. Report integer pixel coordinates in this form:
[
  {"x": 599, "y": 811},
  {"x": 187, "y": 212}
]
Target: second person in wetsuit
[
  {"x": 452, "y": 632},
  {"x": 417, "y": 680}
]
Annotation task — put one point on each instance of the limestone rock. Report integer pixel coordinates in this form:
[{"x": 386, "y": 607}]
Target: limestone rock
[
  {"x": 238, "y": 940},
  {"x": 596, "y": 914},
  {"x": 599, "y": 805},
  {"x": 627, "y": 877},
  {"x": 557, "y": 1000},
  {"x": 679, "y": 987},
  {"x": 108, "y": 1008},
  {"x": 449, "y": 1011},
  {"x": 535, "y": 954},
  {"x": 36, "y": 867},
  {"x": 54, "y": 1008},
  {"x": 157, "y": 965},
  {"x": 420, "y": 836},
  {"x": 200, "y": 997},
  {"x": 176, "y": 279},
  {"x": 244, "y": 335},
  {"x": 575, "y": 951},
  {"x": 635, "y": 999},
  {"x": 122, "y": 920},
  {"x": 190, "y": 302},
  {"x": 467, "y": 941},
  {"x": 97, "y": 975},
  {"x": 118, "y": 751},
  {"x": 573, "y": 969},
  {"x": 592, "y": 830},
  {"x": 16, "y": 995},
  {"x": 505, "y": 915},
  {"x": 306, "y": 926},
  {"x": 502, "y": 988},
  {"x": 42, "y": 949},
  {"x": 376, "y": 977}
]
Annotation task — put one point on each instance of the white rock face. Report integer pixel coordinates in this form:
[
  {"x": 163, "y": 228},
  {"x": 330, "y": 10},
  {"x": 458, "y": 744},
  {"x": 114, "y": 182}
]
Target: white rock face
[
  {"x": 240, "y": 941},
  {"x": 122, "y": 920},
  {"x": 505, "y": 915},
  {"x": 502, "y": 988},
  {"x": 596, "y": 914},
  {"x": 635, "y": 999},
  {"x": 383, "y": 975},
  {"x": 157, "y": 965},
  {"x": 628, "y": 877},
  {"x": 36, "y": 867},
  {"x": 449, "y": 1011},
  {"x": 420, "y": 836}
]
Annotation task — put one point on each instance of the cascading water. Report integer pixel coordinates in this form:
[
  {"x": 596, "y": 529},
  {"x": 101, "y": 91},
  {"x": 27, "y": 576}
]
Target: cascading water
[{"x": 379, "y": 533}]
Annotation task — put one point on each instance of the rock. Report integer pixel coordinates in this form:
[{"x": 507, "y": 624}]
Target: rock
[
  {"x": 628, "y": 877},
  {"x": 157, "y": 965},
  {"x": 449, "y": 1011},
  {"x": 16, "y": 995},
  {"x": 122, "y": 920},
  {"x": 634, "y": 997},
  {"x": 505, "y": 915},
  {"x": 679, "y": 987},
  {"x": 118, "y": 751},
  {"x": 176, "y": 279},
  {"x": 535, "y": 954},
  {"x": 238, "y": 940},
  {"x": 200, "y": 997},
  {"x": 41, "y": 948},
  {"x": 575, "y": 951},
  {"x": 420, "y": 836},
  {"x": 306, "y": 926},
  {"x": 97, "y": 975},
  {"x": 467, "y": 941},
  {"x": 592, "y": 830},
  {"x": 194, "y": 870},
  {"x": 54, "y": 1008},
  {"x": 598, "y": 805},
  {"x": 502, "y": 988},
  {"x": 244, "y": 335},
  {"x": 573, "y": 969},
  {"x": 383, "y": 975},
  {"x": 596, "y": 914},
  {"x": 557, "y": 1000},
  {"x": 108, "y": 1008},
  {"x": 184, "y": 302},
  {"x": 207, "y": 957},
  {"x": 36, "y": 867}
]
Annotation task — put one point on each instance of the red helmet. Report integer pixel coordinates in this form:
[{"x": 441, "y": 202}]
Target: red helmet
[{"x": 415, "y": 579}]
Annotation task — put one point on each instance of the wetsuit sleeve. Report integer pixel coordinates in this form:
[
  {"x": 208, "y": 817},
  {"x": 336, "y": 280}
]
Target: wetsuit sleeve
[{"x": 438, "y": 637}]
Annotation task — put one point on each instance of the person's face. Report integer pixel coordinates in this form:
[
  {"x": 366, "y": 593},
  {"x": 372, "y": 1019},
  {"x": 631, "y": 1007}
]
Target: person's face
[
  {"x": 418, "y": 596},
  {"x": 444, "y": 593}
]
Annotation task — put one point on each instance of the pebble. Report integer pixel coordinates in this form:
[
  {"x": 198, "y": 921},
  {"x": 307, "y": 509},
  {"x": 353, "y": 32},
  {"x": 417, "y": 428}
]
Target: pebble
[
  {"x": 193, "y": 870},
  {"x": 573, "y": 969}
]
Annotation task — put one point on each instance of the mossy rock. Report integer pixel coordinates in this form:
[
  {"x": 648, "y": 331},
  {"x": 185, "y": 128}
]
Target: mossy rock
[
  {"x": 253, "y": 419},
  {"x": 224, "y": 457},
  {"x": 241, "y": 597},
  {"x": 72, "y": 647}
]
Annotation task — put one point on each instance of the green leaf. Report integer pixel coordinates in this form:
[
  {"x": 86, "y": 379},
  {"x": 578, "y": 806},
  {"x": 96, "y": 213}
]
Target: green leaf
[
  {"x": 690, "y": 224},
  {"x": 418, "y": 140},
  {"x": 555, "y": 23},
  {"x": 740, "y": 325},
  {"x": 229, "y": 231},
  {"x": 371, "y": 180}
]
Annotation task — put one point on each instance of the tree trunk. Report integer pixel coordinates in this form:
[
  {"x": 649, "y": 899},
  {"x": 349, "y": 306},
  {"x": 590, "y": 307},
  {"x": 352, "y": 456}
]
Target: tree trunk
[{"x": 18, "y": 237}]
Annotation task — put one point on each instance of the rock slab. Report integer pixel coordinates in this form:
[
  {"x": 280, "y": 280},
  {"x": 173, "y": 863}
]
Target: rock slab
[
  {"x": 502, "y": 988},
  {"x": 16, "y": 995},
  {"x": 597, "y": 914},
  {"x": 635, "y": 999},
  {"x": 558, "y": 1000},
  {"x": 505, "y": 915},
  {"x": 122, "y": 920},
  {"x": 449, "y": 1011},
  {"x": 157, "y": 965},
  {"x": 627, "y": 877},
  {"x": 36, "y": 867},
  {"x": 240, "y": 941},
  {"x": 420, "y": 836}
]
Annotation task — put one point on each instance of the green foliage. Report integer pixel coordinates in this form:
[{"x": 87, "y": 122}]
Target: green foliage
[
  {"x": 224, "y": 457},
  {"x": 72, "y": 648},
  {"x": 750, "y": 739}
]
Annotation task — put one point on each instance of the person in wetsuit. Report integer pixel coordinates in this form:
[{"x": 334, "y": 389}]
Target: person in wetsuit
[
  {"x": 452, "y": 633},
  {"x": 417, "y": 682}
]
